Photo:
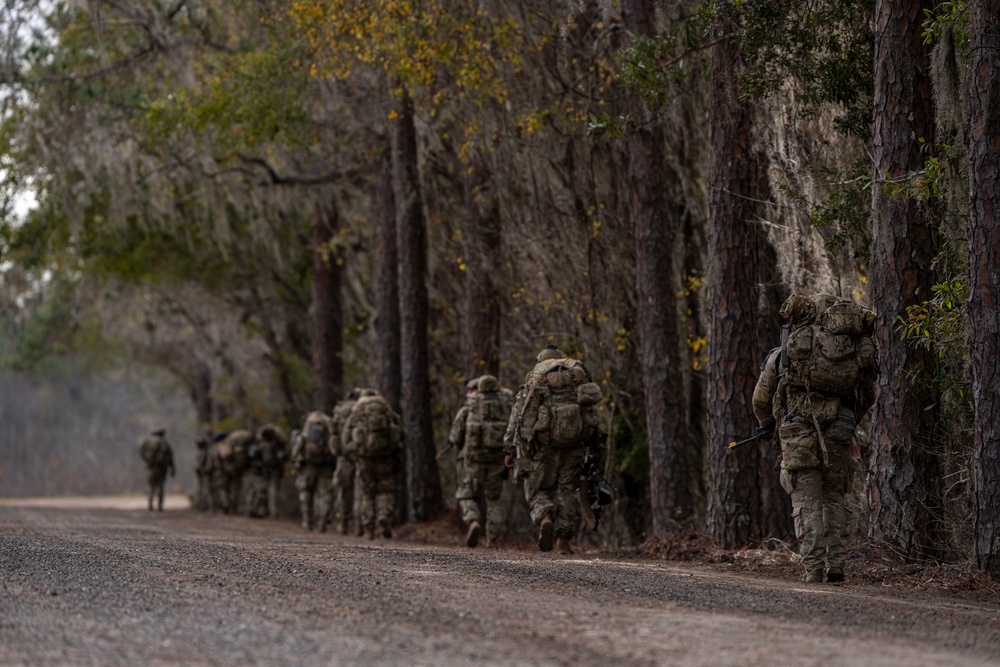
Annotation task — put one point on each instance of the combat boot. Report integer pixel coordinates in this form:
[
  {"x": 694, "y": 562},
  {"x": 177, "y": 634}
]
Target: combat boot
[
  {"x": 814, "y": 576},
  {"x": 546, "y": 533},
  {"x": 563, "y": 545},
  {"x": 835, "y": 575},
  {"x": 472, "y": 537}
]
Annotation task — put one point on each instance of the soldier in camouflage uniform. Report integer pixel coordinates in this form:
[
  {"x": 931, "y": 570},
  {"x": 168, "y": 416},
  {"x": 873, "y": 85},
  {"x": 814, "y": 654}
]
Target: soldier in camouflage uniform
[
  {"x": 232, "y": 459},
  {"x": 343, "y": 475},
  {"x": 552, "y": 427},
  {"x": 158, "y": 456},
  {"x": 477, "y": 433},
  {"x": 203, "y": 499},
  {"x": 314, "y": 465},
  {"x": 265, "y": 468},
  {"x": 376, "y": 437},
  {"x": 815, "y": 429}
]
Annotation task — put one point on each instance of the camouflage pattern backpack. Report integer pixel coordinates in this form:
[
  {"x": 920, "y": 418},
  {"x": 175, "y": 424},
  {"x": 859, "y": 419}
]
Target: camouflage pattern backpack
[
  {"x": 315, "y": 440},
  {"x": 339, "y": 443},
  {"x": 155, "y": 451},
  {"x": 559, "y": 404},
  {"x": 489, "y": 411},
  {"x": 234, "y": 451},
  {"x": 375, "y": 427},
  {"x": 827, "y": 345}
]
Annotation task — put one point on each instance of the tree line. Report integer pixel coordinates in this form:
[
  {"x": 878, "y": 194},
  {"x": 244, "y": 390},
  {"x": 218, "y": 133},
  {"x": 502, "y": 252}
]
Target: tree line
[{"x": 278, "y": 201}]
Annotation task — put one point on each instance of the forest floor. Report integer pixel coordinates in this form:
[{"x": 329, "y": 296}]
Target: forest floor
[{"x": 105, "y": 582}]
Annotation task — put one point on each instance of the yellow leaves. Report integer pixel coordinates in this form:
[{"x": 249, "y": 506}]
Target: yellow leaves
[
  {"x": 393, "y": 115},
  {"x": 461, "y": 264}
]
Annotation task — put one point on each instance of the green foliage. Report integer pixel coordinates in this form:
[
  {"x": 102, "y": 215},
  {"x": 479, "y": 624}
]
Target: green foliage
[
  {"x": 947, "y": 17},
  {"x": 939, "y": 325}
]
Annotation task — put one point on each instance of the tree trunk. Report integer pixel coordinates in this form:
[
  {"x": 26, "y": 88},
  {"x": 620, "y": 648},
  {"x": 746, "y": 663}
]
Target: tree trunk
[
  {"x": 657, "y": 242},
  {"x": 386, "y": 349},
  {"x": 984, "y": 277},
  {"x": 423, "y": 482},
  {"x": 743, "y": 495},
  {"x": 482, "y": 297},
  {"x": 905, "y": 483},
  {"x": 201, "y": 395},
  {"x": 328, "y": 319}
]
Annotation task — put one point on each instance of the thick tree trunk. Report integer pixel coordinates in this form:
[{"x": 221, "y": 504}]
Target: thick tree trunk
[
  {"x": 423, "y": 482},
  {"x": 743, "y": 494},
  {"x": 482, "y": 296},
  {"x": 658, "y": 223},
  {"x": 984, "y": 276},
  {"x": 201, "y": 395},
  {"x": 328, "y": 319},
  {"x": 905, "y": 483},
  {"x": 386, "y": 349}
]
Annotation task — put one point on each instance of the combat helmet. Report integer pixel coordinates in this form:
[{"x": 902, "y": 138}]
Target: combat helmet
[
  {"x": 488, "y": 383},
  {"x": 550, "y": 351}
]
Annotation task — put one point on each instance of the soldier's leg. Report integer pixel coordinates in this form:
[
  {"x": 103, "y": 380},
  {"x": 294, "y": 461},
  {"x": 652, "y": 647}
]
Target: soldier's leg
[
  {"x": 388, "y": 474},
  {"x": 807, "y": 510},
  {"x": 467, "y": 493},
  {"x": 151, "y": 485},
  {"x": 570, "y": 469},
  {"x": 324, "y": 497},
  {"x": 836, "y": 514},
  {"x": 496, "y": 519},
  {"x": 343, "y": 485},
  {"x": 367, "y": 481},
  {"x": 273, "y": 489},
  {"x": 541, "y": 484},
  {"x": 160, "y": 484},
  {"x": 304, "y": 482}
]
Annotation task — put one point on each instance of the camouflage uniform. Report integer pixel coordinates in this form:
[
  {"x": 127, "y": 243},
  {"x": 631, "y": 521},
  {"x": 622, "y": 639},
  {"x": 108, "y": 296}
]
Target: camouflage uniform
[
  {"x": 203, "y": 499},
  {"x": 343, "y": 475},
  {"x": 376, "y": 437},
  {"x": 477, "y": 433},
  {"x": 552, "y": 472},
  {"x": 266, "y": 467},
  {"x": 815, "y": 431},
  {"x": 159, "y": 459},
  {"x": 314, "y": 465},
  {"x": 231, "y": 456}
]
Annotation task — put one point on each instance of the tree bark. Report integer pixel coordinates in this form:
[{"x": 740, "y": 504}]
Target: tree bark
[
  {"x": 744, "y": 500},
  {"x": 386, "y": 350},
  {"x": 423, "y": 482},
  {"x": 905, "y": 485},
  {"x": 984, "y": 277},
  {"x": 657, "y": 224},
  {"x": 328, "y": 318},
  {"x": 482, "y": 296}
]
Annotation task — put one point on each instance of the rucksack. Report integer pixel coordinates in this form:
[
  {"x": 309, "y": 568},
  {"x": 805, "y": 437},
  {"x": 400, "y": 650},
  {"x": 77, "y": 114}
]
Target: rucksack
[
  {"x": 155, "y": 451},
  {"x": 376, "y": 430},
  {"x": 233, "y": 451},
  {"x": 316, "y": 439},
  {"x": 488, "y": 415},
  {"x": 563, "y": 414},
  {"x": 827, "y": 346}
]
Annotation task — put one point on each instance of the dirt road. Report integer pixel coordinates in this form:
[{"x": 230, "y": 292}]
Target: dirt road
[{"x": 91, "y": 585}]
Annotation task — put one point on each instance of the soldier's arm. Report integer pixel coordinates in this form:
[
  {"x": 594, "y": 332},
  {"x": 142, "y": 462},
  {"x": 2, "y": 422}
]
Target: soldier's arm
[
  {"x": 456, "y": 436},
  {"x": 764, "y": 391}
]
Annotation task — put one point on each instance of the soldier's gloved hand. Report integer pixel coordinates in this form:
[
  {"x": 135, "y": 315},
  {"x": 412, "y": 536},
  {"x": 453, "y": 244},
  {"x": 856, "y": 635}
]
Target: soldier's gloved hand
[
  {"x": 765, "y": 433},
  {"x": 508, "y": 460}
]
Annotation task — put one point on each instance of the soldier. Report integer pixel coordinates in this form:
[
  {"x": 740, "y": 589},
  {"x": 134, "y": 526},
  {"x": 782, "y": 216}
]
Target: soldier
[
  {"x": 158, "y": 455},
  {"x": 814, "y": 398},
  {"x": 376, "y": 436},
  {"x": 203, "y": 472},
  {"x": 232, "y": 460},
  {"x": 314, "y": 465},
  {"x": 265, "y": 468},
  {"x": 552, "y": 426},
  {"x": 343, "y": 474},
  {"x": 477, "y": 433}
]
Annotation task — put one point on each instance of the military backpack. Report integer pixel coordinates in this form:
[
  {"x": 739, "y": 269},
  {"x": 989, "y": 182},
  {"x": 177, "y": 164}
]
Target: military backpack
[
  {"x": 559, "y": 404},
  {"x": 375, "y": 427},
  {"x": 489, "y": 411}
]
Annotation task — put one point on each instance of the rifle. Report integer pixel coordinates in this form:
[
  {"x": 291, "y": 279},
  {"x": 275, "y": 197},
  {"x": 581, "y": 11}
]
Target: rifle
[
  {"x": 447, "y": 449},
  {"x": 593, "y": 495},
  {"x": 762, "y": 434}
]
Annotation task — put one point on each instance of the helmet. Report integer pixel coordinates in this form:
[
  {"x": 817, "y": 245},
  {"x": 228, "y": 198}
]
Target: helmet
[
  {"x": 489, "y": 383},
  {"x": 369, "y": 392},
  {"x": 472, "y": 385},
  {"x": 798, "y": 308},
  {"x": 550, "y": 351}
]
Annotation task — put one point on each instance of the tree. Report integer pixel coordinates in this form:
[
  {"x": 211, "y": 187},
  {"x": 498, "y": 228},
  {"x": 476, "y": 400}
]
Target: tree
[
  {"x": 904, "y": 488},
  {"x": 741, "y": 262},
  {"x": 658, "y": 217},
  {"x": 984, "y": 276},
  {"x": 328, "y": 318}
]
